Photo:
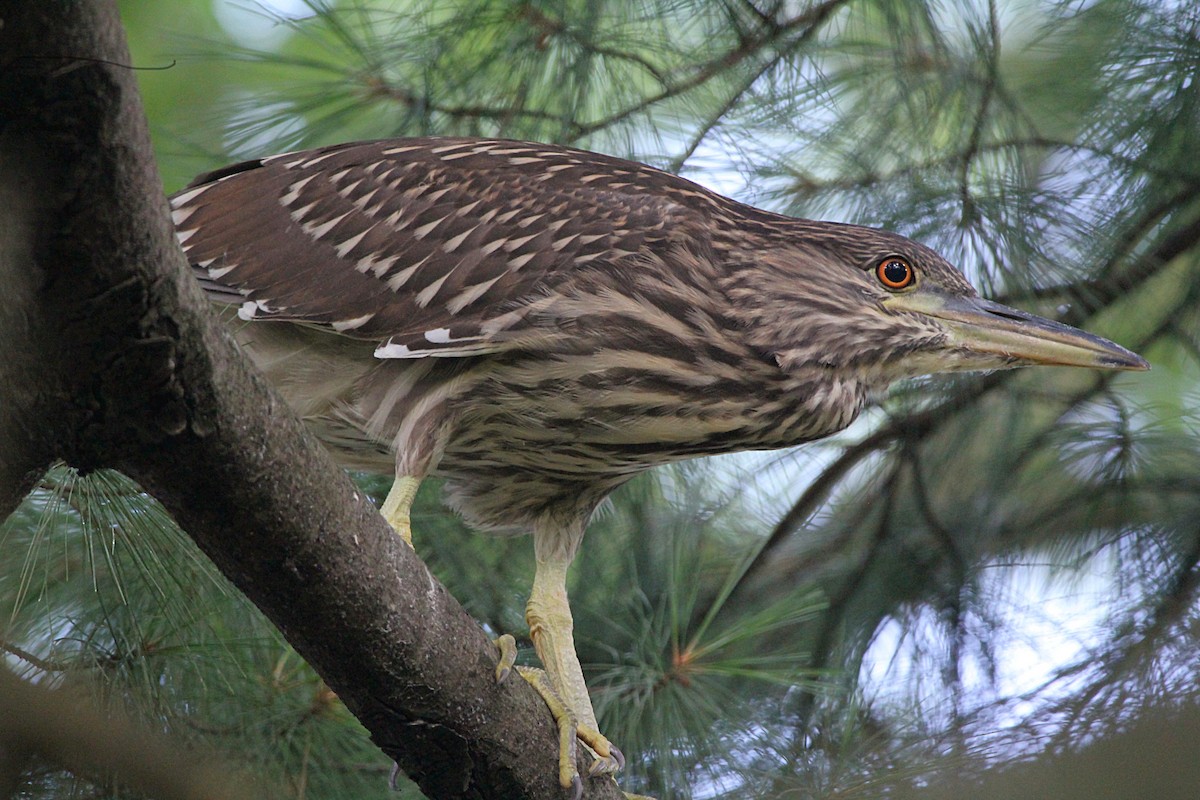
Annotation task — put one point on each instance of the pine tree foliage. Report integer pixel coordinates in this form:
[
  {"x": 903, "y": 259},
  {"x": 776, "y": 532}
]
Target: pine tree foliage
[{"x": 983, "y": 569}]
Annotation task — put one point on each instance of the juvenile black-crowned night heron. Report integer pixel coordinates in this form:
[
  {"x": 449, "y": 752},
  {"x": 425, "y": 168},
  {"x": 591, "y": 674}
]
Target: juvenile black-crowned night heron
[{"x": 537, "y": 325}]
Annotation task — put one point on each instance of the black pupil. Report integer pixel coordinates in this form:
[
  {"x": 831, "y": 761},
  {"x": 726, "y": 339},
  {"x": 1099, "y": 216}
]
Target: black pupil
[{"x": 895, "y": 272}]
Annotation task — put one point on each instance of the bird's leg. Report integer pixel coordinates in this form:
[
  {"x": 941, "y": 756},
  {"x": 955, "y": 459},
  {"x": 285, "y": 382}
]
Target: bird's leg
[
  {"x": 550, "y": 626},
  {"x": 396, "y": 508},
  {"x": 397, "y": 504}
]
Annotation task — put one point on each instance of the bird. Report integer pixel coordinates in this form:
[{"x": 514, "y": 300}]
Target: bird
[{"x": 537, "y": 324}]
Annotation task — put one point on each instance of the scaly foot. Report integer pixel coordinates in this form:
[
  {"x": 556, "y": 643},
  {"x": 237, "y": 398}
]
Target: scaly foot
[{"x": 570, "y": 730}]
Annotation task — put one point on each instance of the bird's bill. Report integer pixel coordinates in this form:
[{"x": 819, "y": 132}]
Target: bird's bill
[{"x": 982, "y": 326}]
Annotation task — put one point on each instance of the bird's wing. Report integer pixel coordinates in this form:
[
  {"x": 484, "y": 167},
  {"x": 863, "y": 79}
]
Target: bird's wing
[{"x": 430, "y": 247}]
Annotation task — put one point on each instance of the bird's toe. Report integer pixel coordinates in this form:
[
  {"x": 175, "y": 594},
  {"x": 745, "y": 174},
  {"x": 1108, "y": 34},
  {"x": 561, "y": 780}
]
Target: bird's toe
[
  {"x": 568, "y": 775},
  {"x": 508, "y": 656}
]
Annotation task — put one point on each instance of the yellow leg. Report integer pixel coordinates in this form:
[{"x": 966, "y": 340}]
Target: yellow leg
[
  {"x": 397, "y": 504},
  {"x": 550, "y": 627},
  {"x": 561, "y": 683}
]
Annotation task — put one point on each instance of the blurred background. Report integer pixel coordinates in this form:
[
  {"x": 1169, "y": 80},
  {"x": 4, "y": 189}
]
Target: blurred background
[{"x": 989, "y": 584}]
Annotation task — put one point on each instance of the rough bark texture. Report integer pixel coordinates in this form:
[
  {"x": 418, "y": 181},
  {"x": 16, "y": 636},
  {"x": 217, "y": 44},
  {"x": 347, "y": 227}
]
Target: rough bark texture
[{"x": 112, "y": 359}]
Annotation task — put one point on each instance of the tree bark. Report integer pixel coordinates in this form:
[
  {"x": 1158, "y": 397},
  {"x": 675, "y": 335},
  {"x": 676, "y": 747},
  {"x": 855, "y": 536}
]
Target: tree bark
[{"x": 112, "y": 359}]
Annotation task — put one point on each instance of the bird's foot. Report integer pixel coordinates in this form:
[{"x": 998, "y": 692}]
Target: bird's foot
[
  {"x": 570, "y": 732},
  {"x": 609, "y": 759},
  {"x": 508, "y": 656}
]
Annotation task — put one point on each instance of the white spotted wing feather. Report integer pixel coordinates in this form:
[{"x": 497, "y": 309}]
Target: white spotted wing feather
[{"x": 430, "y": 247}]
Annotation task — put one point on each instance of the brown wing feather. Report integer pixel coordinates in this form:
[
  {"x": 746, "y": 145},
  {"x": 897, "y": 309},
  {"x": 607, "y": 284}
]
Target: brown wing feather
[{"x": 431, "y": 246}]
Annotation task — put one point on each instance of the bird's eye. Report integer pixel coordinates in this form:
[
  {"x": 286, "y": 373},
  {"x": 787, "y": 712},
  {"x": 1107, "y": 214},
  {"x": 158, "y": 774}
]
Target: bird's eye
[{"x": 895, "y": 273}]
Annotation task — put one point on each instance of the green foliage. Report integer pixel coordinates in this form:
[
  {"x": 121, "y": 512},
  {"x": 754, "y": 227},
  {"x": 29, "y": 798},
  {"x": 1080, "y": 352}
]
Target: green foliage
[
  {"x": 985, "y": 567},
  {"x": 108, "y": 594}
]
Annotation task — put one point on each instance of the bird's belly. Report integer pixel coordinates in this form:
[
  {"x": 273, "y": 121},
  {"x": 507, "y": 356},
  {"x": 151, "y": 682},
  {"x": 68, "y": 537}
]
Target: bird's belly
[
  {"x": 511, "y": 459},
  {"x": 516, "y": 442}
]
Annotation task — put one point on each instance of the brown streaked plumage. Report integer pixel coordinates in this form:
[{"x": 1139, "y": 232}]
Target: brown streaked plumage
[{"x": 539, "y": 324}]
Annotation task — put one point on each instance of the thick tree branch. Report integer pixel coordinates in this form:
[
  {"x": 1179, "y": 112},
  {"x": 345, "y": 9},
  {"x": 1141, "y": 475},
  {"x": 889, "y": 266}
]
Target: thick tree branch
[{"x": 118, "y": 363}]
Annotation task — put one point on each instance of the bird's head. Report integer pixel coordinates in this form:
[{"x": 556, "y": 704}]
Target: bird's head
[{"x": 883, "y": 307}]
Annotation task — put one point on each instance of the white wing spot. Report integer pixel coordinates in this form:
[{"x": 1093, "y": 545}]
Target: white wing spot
[
  {"x": 442, "y": 336},
  {"x": 349, "y": 188},
  {"x": 362, "y": 200},
  {"x": 393, "y": 219},
  {"x": 190, "y": 195},
  {"x": 180, "y": 215},
  {"x": 427, "y": 294},
  {"x": 390, "y": 349},
  {"x": 559, "y": 244},
  {"x": 384, "y": 265},
  {"x": 428, "y": 227},
  {"x": 400, "y": 278},
  {"x": 293, "y": 192},
  {"x": 349, "y": 244},
  {"x": 299, "y": 214},
  {"x": 520, "y": 261},
  {"x": 455, "y": 242},
  {"x": 183, "y": 236},
  {"x": 251, "y": 308},
  {"x": 368, "y": 263},
  {"x": 450, "y": 148},
  {"x": 351, "y": 324},
  {"x": 219, "y": 272},
  {"x": 469, "y": 296},
  {"x": 319, "y": 230},
  {"x": 504, "y": 321},
  {"x": 312, "y": 162},
  {"x": 512, "y": 244},
  {"x": 395, "y": 151}
]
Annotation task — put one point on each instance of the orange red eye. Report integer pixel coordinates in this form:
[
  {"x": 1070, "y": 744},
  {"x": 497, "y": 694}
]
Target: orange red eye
[{"x": 895, "y": 273}]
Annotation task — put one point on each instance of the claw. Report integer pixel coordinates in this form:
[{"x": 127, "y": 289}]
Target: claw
[
  {"x": 608, "y": 758},
  {"x": 577, "y": 788},
  {"x": 508, "y": 656},
  {"x": 603, "y": 766}
]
